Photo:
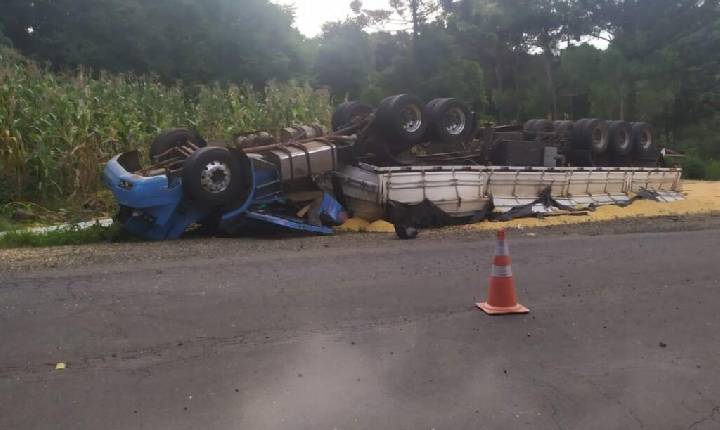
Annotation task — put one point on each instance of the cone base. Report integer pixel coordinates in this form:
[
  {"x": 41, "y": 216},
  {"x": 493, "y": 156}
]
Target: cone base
[{"x": 495, "y": 310}]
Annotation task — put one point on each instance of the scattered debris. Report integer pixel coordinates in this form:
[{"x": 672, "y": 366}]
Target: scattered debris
[
  {"x": 405, "y": 232},
  {"x": 544, "y": 206},
  {"x": 380, "y": 226},
  {"x": 354, "y": 225},
  {"x": 642, "y": 194}
]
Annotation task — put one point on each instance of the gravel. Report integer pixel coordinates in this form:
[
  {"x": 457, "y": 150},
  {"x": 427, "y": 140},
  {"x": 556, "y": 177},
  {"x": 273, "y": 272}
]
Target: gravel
[{"x": 207, "y": 247}]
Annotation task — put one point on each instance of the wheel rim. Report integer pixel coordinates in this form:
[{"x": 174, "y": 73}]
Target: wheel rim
[
  {"x": 358, "y": 118},
  {"x": 624, "y": 139},
  {"x": 215, "y": 177},
  {"x": 645, "y": 140},
  {"x": 455, "y": 121},
  {"x": 597, "y": 137},
  {"x": 412, "y": 119}
]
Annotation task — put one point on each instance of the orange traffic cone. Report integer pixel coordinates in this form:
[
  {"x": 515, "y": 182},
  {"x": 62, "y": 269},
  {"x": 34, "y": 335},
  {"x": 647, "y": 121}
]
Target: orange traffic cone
[{"x": 501, "y": 294}]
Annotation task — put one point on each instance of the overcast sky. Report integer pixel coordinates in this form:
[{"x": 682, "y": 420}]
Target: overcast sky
[{"x": 311, "y": 14}]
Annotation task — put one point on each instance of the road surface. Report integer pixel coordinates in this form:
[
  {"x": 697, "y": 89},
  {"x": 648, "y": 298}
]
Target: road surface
[{"x": 357, "y": 333}]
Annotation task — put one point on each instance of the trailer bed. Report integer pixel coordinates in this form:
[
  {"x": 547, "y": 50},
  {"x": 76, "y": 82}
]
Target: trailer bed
[{"x": 463, "y": 190}]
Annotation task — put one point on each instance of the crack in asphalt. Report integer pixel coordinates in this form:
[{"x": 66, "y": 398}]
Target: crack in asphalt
[{"x": 711, "y": 417}]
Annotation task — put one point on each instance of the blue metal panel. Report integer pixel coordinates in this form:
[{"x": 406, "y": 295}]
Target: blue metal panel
[
  {"x": 288, "y": 222},
  {"x": 139, "y": 191},
  {"x": 331, "y": 210}
]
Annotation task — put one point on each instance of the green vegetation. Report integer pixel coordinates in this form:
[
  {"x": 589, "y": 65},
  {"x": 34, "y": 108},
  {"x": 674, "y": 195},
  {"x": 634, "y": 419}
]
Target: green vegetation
[
  {"x": 69, "y": 236},
  {"x": 207, "y": 65},
  {"x": 57, "y": 129}
]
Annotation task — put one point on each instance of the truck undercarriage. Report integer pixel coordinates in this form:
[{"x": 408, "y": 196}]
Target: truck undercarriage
[{"x": 401, "y": 153}]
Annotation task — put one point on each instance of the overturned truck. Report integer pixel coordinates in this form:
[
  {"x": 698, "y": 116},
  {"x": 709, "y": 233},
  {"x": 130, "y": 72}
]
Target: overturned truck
[{"x": 380, "y": 163}]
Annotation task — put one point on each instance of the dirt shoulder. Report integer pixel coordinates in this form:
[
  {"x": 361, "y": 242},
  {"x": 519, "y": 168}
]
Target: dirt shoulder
[{"x": 14, "y": 260}]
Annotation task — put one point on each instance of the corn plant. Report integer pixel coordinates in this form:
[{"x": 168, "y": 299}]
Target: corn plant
[{"x": 56, "y": 129}]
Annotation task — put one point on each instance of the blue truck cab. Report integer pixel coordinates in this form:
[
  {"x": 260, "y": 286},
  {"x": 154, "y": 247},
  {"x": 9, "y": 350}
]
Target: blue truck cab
[{"x": 157, "y": 205}]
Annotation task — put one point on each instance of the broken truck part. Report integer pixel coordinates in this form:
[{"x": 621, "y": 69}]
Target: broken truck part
[
  {"x": 228, "y": 188},
  {"x": 462, "y": 191}
]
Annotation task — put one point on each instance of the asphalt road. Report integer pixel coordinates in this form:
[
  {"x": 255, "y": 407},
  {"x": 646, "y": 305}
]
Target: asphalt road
[{"x": 624, "y": 333}]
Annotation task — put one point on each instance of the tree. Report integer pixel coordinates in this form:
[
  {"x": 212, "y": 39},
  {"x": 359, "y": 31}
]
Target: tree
[
  {"x": 412, "y": 13},
  {"x": 344, "y": 58},
  {"x": 4, "y": 41},
  {"x": 193, "y": 41}
]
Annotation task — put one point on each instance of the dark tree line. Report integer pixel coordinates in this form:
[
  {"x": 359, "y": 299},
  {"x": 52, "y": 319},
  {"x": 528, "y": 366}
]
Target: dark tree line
[
  {"x": 512, "y": 59},
  {"x": 193, "y": 41}
]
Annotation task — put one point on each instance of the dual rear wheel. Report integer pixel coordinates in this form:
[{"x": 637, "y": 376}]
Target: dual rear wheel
[{"x": 402, "y": 121}]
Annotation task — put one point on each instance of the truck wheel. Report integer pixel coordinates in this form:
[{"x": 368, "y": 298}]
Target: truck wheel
[
  {"x": 643, "y": 143},
  {"x": 449, "y": 120},
  {"x": 212, "y": 176},
  {"x": 172, "y": 138},
  {"x": 591, "y": 133},
  {"x": 350, "y": 113},
  {"x": 620, "y": 137},
  {"x": 563, "y": 128},
  {"x": 529, "y": 126},
  {"x": 544, "y": 126},
  {"x": 401, "y": 117},
  {"x": 405, "y": 232}
]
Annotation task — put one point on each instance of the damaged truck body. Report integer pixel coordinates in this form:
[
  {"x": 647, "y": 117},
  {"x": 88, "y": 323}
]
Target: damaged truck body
[{"x": 403, "y": 153}]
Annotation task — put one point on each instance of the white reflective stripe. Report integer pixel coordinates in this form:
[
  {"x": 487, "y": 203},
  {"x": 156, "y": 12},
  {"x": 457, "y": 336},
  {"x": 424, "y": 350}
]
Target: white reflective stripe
[
  {"x": 501, "y": 271},
  {"x": 502, "y": 248}
]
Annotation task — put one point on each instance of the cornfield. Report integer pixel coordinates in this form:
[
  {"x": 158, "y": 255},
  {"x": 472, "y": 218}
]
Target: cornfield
[{"x": 56, "y": 130}]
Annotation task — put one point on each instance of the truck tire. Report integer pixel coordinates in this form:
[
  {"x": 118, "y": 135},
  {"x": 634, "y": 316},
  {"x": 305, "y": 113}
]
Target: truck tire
[
  {"x": 449, "y": 120},
  {"x": 643, "y": 144},
  {"x": 563, "y": 128},
  {"x": 592, "y": 134},
  {"x": 349, "y": 113},
  {"x": 620, "y": 137},
  {"x": 213, "y": 176},
  {"x": 543, "y": 126},
  {"x": 431, "y": 104},
  {"x": 529, "y": 126},
  {"x": 400, "y": 119},
  {"x": 172, "y": 138},
  {"x": 406, "y": 232}
]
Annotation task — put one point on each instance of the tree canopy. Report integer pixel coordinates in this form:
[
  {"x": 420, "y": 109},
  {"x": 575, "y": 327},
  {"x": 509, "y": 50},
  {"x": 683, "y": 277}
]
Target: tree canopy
[
  {"x": 654, "y": 60},
  {"x": 248, "y": 40}
]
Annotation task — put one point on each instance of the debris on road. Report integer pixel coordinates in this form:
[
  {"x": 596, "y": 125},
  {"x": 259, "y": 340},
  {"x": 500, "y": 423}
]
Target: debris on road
[
  {"x": 544, "y": 205},
  {"x": 700, "y": 198},
  {"x": 380, "y": 226},
  {"x": 354, "y": 225},
  {"x": 405, "y": 232}
]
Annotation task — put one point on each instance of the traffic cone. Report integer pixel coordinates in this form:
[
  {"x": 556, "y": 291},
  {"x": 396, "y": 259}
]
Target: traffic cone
[{"x": 501, "y": 294}]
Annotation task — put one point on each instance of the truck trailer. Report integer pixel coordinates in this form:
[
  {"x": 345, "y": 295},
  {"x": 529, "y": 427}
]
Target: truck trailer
[{"x": 402, "y": 153}]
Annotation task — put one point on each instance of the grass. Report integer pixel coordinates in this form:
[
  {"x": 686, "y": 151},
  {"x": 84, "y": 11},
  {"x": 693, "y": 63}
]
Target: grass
[{"x": 70, "y": 236}]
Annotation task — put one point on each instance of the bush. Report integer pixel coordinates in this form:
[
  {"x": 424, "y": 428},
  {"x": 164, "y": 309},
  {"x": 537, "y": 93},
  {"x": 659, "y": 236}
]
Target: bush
[
  {"x": 56, "y": 130},
  {"x": 697, "y": 167}
]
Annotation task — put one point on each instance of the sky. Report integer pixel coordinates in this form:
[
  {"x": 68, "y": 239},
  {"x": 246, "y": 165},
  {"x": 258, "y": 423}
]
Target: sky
[{"x": 310, "y": 15}]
